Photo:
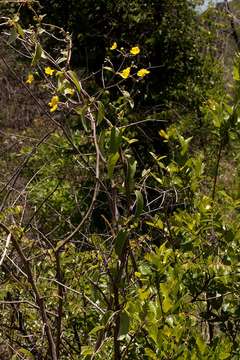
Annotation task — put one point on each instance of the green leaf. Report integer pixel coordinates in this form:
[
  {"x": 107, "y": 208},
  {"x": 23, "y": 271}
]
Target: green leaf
[
  {"x": 20, "y": 30},
  {"x": 74, "y": 79},
  {"x": 236, "y": 76},
  {"x": 86, "y": 350},
  {"x": 27, "y": 354},
  {"x": 37, "y": 55},
  {"x": 13, "y": 35},
  {"x": 120, "y": 242},
  {"x": 201, "y": 344},
  {"x": 157, "y": 159},
  {"x": 112, "y": 160},
  {"x": 167, "y": 304},
  {"x": 124, "y": 324},
  {"x": 150, "y": 354},
  {"x": 158, "y": 224},
  {"x": 132, "y": 165},
  {"x": 224, "y": 355},
  {"x": 139, "y": 203},
  {"x": 115, "y": 140},
  {"x": 81, "y": 110},
  {"x": 96, "y": 329},
  {"x": 184, "y": 144},
  {"x": 101, "y": 112},
  {"x": 153, "y": 332},
  {"x": 101, "y": 141}
]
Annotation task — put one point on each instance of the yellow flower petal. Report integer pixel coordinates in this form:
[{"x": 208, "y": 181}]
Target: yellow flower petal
[
  {"x": 30, "y": 79},
  {"x": 49, "y": 71},
  {"x": 143, "y": 72},
  {"x": 125, "y": 73},
  {"x": 54, "y": 108},
  {"x": 54, "y": 103},
  {"x": 114, "y": 46},
  {"x": 135, "y": 50}
]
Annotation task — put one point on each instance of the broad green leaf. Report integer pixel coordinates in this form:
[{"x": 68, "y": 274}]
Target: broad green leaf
[
  {"x": 120, "y": 242},
  {"x": 13, "y": 35},
  {"x": 153, "y": 332},
  {"x": 131, "y": 170},
  {"x": 166, "y": 304},
  {"x": 20, "y": 30},
  {"x": 75, "y": 79},
  {"x": 112, "y": 160},
  {"x": 81, "y": 110},
  {"x": 124, "y": 324},
  {"x": 236, "y": 76},
  {"x": 115, "y": 140},
  {"x": 201, "y": 344},
  {"x": 139, "y": 203},
  {"x": 216, "y": 120},
  {"x": 37, "y": 55},
  {"x": 101, "y": 141},
  {"x": 224, "y": 355}
]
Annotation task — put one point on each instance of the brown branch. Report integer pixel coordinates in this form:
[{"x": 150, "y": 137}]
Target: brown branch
[
  {"x": 59, "y": 278},
  {"x": 39, "y": 299},
  {"x": 217, "y": 169}
]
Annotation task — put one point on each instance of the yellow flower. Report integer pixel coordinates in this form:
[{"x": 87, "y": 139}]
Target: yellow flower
[
  {"x": 30, "y": 79},
  {"x": 143, "y": 72},
  {"x": 135, "y": 50},
  {"x": 125, "y": 73},
  {"x": 54, "y": 103},
  {"x": 114, "y": 46},
  {"x": 49, "y": 71}
]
